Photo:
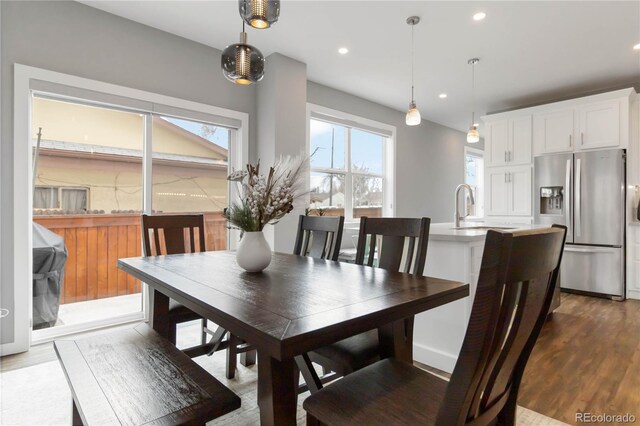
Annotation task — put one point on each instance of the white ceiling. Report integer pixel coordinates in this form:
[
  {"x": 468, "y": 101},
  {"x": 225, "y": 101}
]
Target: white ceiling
[{"x": 530, "y": 52}]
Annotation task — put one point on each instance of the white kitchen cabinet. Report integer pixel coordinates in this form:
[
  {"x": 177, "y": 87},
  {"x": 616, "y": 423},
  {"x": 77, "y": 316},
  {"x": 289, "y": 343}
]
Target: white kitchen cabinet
[
  {"x": 496, "y": 202},
  {"x": 520, "y": 141},
  {"x": 508, "y": 142},
  {"x": 497, "y": 143},
  {"x": 599, "y": 124},
  {"x": 520, "y": 191},
  {"x": 508, "y": 191},
  {"x": 633, "y": 261},
  {"x": 553, "y": 131}
]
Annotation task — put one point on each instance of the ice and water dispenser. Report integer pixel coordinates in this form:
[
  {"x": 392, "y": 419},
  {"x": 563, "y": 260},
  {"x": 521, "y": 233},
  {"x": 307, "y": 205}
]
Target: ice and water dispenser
[{"x": 551, "y": 199}]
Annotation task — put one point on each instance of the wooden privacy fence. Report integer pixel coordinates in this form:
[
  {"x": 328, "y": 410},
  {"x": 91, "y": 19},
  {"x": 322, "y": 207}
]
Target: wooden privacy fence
[{"x": 96, "y": 242}]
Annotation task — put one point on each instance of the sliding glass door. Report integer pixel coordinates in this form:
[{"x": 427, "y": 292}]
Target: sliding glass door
[
  {"x": 191, "y": 176},
  {"x": 88, "y": 195}
]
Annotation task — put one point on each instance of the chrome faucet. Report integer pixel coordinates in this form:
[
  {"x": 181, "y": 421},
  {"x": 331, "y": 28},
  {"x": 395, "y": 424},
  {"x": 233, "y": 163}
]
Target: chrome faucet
[{"x": 458, "y": 218}]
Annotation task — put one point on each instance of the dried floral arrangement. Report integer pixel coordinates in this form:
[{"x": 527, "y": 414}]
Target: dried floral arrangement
[{"x": 266, "y": 199}]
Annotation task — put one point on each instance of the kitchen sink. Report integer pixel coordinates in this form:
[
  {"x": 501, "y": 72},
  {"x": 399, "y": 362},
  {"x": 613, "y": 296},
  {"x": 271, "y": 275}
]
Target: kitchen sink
[{"x": 480, "y": 228}]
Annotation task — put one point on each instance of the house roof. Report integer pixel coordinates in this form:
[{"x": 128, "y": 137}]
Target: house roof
[
  {"x": 81, "y": 148},
  {"x": 191, "y": 136}
]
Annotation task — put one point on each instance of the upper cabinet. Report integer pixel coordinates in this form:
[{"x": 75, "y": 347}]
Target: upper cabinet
[
  {"x": 553, "y": 131},
  {"x": 593, "y": 122},
  {"x": 508, "y": 142},
  {"x": 520, "y": 140},
  {"x": 599, "y": 124},
  {"x": 496, "y": 143},
  {"x": 585, "y": 124}
]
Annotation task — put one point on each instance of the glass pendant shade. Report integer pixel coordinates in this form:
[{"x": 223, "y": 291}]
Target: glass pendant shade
[
  {"x": 413, "y": 115},
  {"x": 473, "y": 135},
  {"x": 259, "y": 14},
  {"x": 242, "y": 63}
]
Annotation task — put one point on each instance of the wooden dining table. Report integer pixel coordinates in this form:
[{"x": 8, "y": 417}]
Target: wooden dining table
[{"x": 294, "y": 306}]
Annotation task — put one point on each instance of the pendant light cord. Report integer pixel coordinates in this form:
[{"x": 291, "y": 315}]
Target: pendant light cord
[
  {"x": 412, "y": 62},
  {"x": 473, "y": 93}
]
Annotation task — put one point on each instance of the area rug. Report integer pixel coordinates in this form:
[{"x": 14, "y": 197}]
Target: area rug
[{"x": 39, "y": 395}]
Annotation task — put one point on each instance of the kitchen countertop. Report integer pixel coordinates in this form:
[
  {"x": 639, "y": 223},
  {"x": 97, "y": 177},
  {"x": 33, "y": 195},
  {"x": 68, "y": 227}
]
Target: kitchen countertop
[{"x": 445, "y": 231}]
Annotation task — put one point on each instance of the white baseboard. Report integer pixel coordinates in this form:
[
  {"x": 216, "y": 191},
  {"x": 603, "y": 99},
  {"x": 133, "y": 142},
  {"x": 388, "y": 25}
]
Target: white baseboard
[
  {"x": 434, "y": 358},
  {"x": 631, "y": 294}
]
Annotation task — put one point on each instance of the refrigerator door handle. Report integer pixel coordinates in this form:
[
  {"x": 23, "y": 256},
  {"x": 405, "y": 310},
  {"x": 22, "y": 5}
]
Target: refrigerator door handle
[
  {"x": 578, "y": 207},
  {"x": 590, "y": 249},
  {"x": 567, "y": 206}
]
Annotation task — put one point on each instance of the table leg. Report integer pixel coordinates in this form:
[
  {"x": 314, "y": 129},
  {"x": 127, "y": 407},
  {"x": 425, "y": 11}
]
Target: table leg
[
  {"x": 396, "y": 340},
  {"x": 277, "y": 390},
  {"x": 159, "y": 312}
]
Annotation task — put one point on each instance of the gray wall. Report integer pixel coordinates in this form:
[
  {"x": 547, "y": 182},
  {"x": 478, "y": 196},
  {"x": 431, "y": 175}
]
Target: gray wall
[
  {"x": 429, "y": 157},
  {"x": 282, "y": 130},
  {"x": 76, "y": 39}
]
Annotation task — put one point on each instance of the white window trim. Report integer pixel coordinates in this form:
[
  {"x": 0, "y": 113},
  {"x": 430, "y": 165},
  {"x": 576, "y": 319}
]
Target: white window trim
[
  {"x": 478, "y": 152},
  {"x": 22, "y": 177},
  {"x": 389, "y": 172}
]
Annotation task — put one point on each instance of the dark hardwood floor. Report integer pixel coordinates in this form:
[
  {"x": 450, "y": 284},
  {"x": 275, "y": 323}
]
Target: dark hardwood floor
[{"x": 587, "y": 359}]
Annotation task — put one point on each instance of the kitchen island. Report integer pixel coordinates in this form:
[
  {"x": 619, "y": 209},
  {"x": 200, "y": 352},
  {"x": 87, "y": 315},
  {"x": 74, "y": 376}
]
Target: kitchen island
[{"x": 454, "y": 254}]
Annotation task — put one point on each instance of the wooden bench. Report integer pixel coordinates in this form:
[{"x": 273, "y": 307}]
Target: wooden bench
[{"x": 135, "y": 377}]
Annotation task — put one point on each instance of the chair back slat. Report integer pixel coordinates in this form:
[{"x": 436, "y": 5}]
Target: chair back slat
[
  {"x": 319, "y": 244},
  {"x": 394, "y": 234},
  {"x": 173, "y": 234},
  {"x": 319, "y": 237},
  {"x": 373, "y": 240},
  {"x": 409, "y": 257},
  {"x": 192, "y": 240},
  {"x": 391, "y": 251},
  {"x": 515, "y": 287}
]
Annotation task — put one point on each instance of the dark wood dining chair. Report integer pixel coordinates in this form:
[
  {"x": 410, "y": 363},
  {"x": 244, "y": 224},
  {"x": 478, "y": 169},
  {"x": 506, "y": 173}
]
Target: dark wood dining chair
[
  {"x": 319, "y": 237},
  {"x": 517, "y": 277},
  {"x": 403, "y": 248},
  {"x": 176, "y": 234}
]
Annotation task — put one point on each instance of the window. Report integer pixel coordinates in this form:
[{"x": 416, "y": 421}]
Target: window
[
  {"x": 350, "y": 171},
  {"x": 61, "y": 198},
  {"x": 474, "y": 176}
]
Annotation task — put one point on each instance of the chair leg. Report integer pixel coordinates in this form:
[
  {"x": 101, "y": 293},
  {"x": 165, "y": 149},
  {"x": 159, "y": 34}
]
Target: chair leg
[
  {"x": 312, "y": 421},
  {"x": 248, "y": 358},
  {"x": 507, "y": 416},
  {"x": 76, "y": 420},
  {"x": 314, "y": 384},
  {"x": 203, "y": 340},
  {"x": 173, "y": 332},
  {"x": 232, "y": 356}
]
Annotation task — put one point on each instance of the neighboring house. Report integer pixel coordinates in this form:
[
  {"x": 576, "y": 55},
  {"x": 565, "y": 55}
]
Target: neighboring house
[{"x": 90, "y": 159}]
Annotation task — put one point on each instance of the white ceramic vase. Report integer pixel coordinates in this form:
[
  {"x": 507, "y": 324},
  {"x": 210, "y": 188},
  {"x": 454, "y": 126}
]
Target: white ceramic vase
[{"x": 254, "y": 253}]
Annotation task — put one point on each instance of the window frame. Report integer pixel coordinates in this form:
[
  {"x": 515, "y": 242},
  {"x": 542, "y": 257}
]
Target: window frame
[
  {"x": 29, "y": 80},
  {"x": 480, "y": 188},
  {"x": 60, "y": 189},
  {"x": 350, "y": 122}
]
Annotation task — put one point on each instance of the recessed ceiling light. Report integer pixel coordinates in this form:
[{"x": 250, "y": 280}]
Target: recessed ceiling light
[
  {"x": 636, "y": 47},
  {"x": 343, "y": 51},
  {"x": 479, "y": 16},
  {"x": 442, "y": 95}
]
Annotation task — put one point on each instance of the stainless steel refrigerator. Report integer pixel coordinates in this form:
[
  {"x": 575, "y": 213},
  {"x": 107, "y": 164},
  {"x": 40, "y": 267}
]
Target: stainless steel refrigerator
[{"x": 586, "y": 192}]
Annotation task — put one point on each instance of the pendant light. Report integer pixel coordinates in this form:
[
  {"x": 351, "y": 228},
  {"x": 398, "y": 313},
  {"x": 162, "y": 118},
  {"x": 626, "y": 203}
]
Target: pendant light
[
  {"x": 413, "y": 115},
  {"x": 259, "y": 14},
  {"x": 242, "y": 63},
  {"x": 473, "y": 135}
]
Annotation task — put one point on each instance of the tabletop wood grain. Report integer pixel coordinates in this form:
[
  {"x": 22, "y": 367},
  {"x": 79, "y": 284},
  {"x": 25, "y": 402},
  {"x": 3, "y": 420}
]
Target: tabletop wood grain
[{"x": 296, "y": 298}]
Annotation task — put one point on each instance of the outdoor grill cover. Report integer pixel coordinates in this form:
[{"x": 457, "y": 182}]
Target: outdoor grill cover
[{"x": 49, "y": 258}]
